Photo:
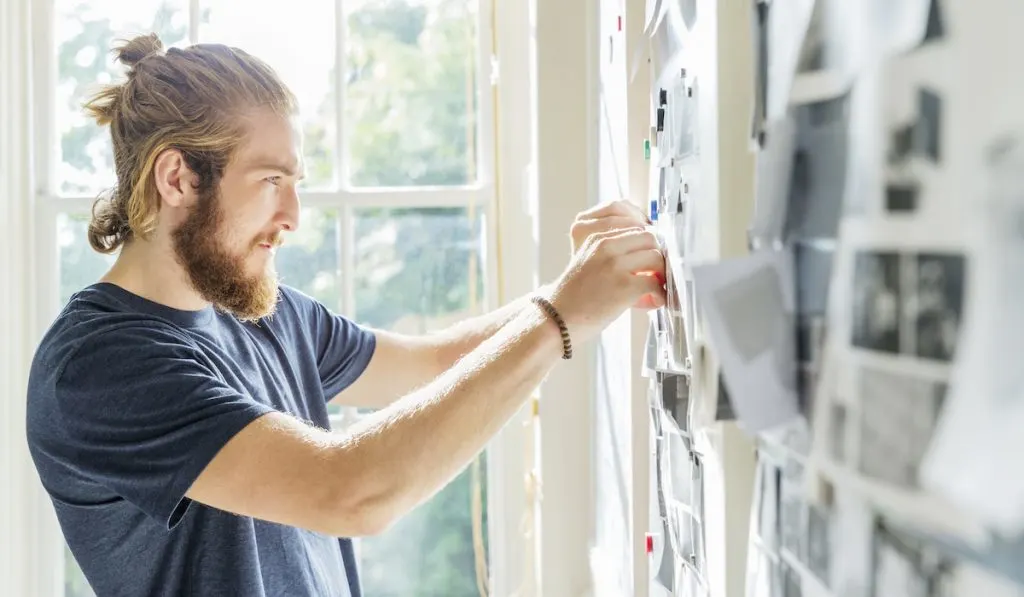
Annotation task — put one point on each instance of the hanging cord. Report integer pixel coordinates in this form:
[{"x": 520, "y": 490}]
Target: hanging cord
[{"x": 483, "y": 576}]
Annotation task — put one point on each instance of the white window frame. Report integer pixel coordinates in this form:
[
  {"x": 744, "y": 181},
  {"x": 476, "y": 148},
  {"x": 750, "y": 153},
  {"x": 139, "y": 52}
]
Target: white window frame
[{"x": 503, "y": 146}]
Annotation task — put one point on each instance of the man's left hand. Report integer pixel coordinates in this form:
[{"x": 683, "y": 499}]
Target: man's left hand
[{"x": 614, "y": 215}]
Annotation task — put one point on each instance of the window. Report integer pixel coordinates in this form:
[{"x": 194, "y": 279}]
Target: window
[{"x": 395, "y": 204}]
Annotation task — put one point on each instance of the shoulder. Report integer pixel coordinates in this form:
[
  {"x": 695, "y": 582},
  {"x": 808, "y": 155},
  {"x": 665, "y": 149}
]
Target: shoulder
[
  {"x": 296, "y": 308},
  {"x": 114, "y": 339},
  {"x": 294, "y": 301}
]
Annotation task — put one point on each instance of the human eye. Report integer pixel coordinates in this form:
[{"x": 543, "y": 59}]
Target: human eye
[{"x": 274, "y": 180}]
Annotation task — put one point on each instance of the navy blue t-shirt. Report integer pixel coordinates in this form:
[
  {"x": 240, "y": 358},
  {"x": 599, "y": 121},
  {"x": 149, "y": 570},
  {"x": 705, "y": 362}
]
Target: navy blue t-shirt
[{"x": 129, "y": 400}]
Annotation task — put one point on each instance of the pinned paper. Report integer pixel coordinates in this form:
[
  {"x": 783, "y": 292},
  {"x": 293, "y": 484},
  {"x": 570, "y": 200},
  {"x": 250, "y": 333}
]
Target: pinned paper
[{"x": 749, "y": 307}]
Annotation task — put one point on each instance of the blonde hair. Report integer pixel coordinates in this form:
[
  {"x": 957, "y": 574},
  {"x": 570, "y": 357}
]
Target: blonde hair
[{"x": 188, "y": 99}]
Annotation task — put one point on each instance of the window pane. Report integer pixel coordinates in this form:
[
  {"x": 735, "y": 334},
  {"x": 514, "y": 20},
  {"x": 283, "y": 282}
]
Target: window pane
[
  {"x": 418, "y": 270},
  {"x": 80, "y": 265},
  {"x": 75, "y": 584},
  {"x": 85, "y": 30},
  {"x": 299, "y": 43},
  {"x": 309, "y": 259},
  {"x": 411, "y": 98}
]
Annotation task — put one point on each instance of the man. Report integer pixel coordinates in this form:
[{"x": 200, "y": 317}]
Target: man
[{"x": 177, "y": 408}]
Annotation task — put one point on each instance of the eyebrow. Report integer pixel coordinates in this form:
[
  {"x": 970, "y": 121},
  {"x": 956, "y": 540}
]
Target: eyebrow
[{"x": 267, "y": 164}]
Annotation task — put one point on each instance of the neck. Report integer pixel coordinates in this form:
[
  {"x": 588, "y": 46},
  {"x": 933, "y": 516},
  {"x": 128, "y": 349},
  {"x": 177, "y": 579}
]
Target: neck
[{"x": 148, "y": 269}]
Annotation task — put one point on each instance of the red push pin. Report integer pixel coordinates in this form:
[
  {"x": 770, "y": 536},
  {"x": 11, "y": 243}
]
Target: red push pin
[
  {"x": 620, "y": 22},
  {"x": 649, "y": 538}
]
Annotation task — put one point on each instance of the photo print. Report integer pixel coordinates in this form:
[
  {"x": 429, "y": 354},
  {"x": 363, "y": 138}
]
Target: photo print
[
  {"x": 837, "y": 431},
  {"x": 675, "y": 397},
  {"x": 934, "y": 307},
  {"x": 813, "y": 265},
  {"x": 898, "y": 418},
  {"x": 920, "y": 138},
  {"x": 876, "y": 301},
  {"x": 819, "y": 169}
]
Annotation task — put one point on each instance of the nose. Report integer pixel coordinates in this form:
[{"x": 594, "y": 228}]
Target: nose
[{"x": 289, "y": 209}]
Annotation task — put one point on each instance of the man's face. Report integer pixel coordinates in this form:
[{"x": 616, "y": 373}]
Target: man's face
[{"x": 227, "y": 242}]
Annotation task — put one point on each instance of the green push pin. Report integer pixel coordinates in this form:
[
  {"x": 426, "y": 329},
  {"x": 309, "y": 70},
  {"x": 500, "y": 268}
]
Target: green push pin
[{"x": 647, "y": 149}]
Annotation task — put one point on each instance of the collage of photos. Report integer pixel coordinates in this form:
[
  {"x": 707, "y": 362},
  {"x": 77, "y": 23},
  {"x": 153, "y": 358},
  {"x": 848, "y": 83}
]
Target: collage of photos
[
  {"x": 908, "y": 303},
  {"x": 793, "y": 536}
]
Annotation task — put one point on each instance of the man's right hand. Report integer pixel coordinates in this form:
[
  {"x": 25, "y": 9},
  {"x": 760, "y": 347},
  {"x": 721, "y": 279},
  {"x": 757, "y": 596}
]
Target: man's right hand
[{"x": 610, "y": 272}]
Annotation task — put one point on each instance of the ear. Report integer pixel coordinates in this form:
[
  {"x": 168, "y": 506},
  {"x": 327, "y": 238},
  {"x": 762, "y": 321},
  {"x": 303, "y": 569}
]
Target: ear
[{"x": 174, "y": 180}]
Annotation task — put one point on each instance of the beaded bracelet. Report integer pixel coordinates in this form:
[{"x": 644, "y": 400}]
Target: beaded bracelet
[{"x": 551, "y": 312}]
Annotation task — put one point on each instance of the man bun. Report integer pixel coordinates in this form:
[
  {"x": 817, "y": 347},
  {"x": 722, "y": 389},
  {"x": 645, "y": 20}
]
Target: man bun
[{"x": 134, "y": 50}]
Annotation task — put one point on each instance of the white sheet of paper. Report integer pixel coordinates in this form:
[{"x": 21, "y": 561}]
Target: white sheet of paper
[
  {"x": 652, "y": 10},
  {"x": 981, "y": 431},
  {"x": 748, "y": 304},
  {"x": 774, "y": 170},
  {"x": 787, "y": 25}
]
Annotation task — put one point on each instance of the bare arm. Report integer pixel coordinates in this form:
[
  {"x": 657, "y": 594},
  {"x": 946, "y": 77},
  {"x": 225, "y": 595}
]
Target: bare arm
[
  {"x": 358, "y": 483},
  {"x": 424, "y": 358}
]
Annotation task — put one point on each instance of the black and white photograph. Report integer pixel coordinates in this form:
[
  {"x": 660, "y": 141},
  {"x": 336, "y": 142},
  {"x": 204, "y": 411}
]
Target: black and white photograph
[
  {"x": 838, "y": 421},
  {"x": 935, "y": 308},
  {"x": 675, "y": 395},
  {"x": 819, "y": 543},
  {"x": 898, "y": 417},
  {"x": 876, "y": 301},
  {"x": 928, "y": 130},
  {"x": 901, "y": 197},
  {"x": 819, "y": 169}
]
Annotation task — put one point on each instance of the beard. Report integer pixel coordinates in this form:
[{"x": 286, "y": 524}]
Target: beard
[{"x": 214, "y": 272}]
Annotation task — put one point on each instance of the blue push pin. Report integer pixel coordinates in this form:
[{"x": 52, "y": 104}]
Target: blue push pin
[{"x": 654, "y": 210}]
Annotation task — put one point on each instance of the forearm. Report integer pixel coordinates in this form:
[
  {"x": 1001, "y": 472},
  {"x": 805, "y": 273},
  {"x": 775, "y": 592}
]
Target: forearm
[
  {"x": 462, "y": 338},
  {"x": 408, "y": 451}
]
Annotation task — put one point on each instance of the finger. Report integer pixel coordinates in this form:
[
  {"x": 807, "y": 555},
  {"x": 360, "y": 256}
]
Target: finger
[
  {"x": 615, "y": 208},
  {"x": 621, "y": 242},
  {"x": 649, "y": 286},
  {"x": 646, "y": 261},
  {"x": 584, "y": 228},
  {"x": 650, "y": 301}
]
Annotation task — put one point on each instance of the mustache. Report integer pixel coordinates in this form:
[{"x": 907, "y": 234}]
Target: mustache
[{"x": 274, "y": 240}]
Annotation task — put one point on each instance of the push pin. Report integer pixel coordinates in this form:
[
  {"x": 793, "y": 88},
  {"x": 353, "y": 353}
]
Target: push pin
[{"x": 649, "y": 540}]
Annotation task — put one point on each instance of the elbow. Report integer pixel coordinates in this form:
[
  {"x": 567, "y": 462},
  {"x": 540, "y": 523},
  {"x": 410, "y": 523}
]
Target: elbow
[
  {"x": 357, "y": 510},
  {"x": 372, "y": 520}
]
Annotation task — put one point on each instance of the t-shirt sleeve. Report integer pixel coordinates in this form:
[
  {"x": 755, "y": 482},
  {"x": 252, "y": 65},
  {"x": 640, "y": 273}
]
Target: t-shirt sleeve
[
  {"x": 144, "y": 415},
  {"x": 343, "y": 347}
]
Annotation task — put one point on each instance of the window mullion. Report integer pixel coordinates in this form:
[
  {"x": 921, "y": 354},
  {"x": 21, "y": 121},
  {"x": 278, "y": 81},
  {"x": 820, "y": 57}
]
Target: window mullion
[
  {"x": 346, "y": 253},
  {"x": 341, "y": 156},
  {"x": 193, "y": 21}
]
